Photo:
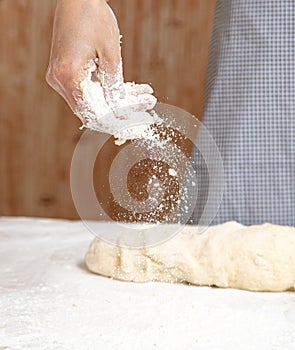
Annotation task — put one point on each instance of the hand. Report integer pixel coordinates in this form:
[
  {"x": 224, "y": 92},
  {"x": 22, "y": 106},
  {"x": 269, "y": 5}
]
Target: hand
[{"x": 86, "y": 35}]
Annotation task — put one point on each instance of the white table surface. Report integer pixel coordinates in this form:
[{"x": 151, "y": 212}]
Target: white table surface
[{"x": 48, "y": 300}]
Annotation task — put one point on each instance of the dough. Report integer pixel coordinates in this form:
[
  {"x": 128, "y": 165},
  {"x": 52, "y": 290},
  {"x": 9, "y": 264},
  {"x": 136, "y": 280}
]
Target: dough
[{"x": 256, "y": 258}]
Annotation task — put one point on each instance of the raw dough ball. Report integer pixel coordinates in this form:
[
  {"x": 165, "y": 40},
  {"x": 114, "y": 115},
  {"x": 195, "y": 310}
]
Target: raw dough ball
[{"x": 257, "y": 258}]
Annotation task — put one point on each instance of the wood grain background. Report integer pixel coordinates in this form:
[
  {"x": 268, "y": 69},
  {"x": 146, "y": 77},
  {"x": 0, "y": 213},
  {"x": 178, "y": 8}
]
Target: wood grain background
[{"x": 165, "y": 42}]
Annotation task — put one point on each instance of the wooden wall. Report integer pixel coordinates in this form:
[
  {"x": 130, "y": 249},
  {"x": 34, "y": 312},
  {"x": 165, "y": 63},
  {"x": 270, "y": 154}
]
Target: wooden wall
[{"x": 165, "y": 42}]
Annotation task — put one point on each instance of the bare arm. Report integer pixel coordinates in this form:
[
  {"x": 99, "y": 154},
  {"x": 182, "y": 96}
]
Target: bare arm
[{"x": 84, "y": 31}]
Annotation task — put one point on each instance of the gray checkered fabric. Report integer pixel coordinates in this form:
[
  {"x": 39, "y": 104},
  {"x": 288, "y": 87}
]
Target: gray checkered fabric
[{"x": 250, "y": 109}]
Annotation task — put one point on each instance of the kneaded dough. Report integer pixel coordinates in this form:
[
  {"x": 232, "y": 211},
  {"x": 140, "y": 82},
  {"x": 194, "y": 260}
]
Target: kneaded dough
[{"x": 230, "y": 255}]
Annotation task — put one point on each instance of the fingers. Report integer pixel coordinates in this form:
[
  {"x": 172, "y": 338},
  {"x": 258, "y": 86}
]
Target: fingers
[
  {"x": 142, "y": 94},
  {"x": 146, "y": 102},
  {"x": 139, "y": 89}
]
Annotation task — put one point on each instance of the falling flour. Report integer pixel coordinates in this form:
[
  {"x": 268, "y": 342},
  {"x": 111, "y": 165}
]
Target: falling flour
[{"x": 125, "y": 110}]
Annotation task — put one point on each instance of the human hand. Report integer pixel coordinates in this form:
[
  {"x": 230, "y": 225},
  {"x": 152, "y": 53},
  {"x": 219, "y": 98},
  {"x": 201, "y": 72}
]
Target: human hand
[{"x": 86, "y": 37}]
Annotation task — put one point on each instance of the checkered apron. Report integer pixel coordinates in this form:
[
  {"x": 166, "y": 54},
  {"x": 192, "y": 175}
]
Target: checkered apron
[{"x": 250, "y": 109}]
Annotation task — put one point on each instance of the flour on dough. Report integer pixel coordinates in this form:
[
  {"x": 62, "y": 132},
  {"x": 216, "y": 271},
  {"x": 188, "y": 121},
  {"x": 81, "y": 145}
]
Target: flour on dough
[{"x": 230, "y": 255}]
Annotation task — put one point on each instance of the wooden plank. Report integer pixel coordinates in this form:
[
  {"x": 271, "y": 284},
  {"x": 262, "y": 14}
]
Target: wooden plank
[{"x": 38, "y": 132}]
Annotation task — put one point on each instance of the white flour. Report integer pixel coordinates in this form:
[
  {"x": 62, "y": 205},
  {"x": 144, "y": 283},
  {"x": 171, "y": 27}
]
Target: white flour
[
  {"x": 125, "y": 110},
  {"x": 49, "y": 301},
  {"x": 121, "y": 109}
]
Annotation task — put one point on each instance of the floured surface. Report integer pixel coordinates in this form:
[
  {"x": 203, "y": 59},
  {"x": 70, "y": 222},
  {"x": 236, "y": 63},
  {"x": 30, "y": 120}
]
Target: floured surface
[{"x": 48, "y": 297}]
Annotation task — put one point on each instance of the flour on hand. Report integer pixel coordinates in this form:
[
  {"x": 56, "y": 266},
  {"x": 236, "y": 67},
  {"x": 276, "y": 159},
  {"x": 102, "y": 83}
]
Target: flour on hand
[{"x": 109, "y": 105}]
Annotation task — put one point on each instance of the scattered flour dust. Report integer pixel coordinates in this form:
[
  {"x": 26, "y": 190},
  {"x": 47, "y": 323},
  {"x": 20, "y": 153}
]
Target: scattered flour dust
[
  {"x": 125, "y": 110},
  {"x": 103, "y": 107}
]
